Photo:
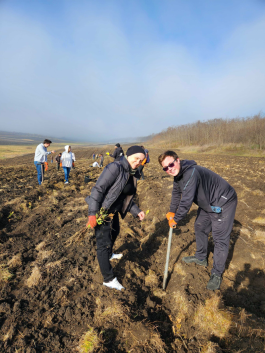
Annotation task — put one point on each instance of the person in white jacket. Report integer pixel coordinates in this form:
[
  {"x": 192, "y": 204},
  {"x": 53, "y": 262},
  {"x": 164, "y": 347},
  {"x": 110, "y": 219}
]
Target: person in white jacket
[
  {"x": 40, "y": 158},
  {"x": 67, "y": 162}
]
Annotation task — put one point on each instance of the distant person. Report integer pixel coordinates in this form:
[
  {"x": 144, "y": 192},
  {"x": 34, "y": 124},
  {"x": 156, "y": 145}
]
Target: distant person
[
  {"x": 118, "y": 152},
  {"x": 217, "y": 201},
  {"x": 114, "y": 191},
  {"x": 96, "y": 156},
  {"x": 101, "y": 160},
  {"x": 40, "y": 159},
  {"x": 67, "y": 162},
  {"x": 93, "y": 156},
  {"x": 95, "y": 164},
  {"x": 58, "y": 160},
  {"x": 146, "y": 160}
]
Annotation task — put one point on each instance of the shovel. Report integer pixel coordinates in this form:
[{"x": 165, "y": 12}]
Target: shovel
[{"x": 167, "y": 259}]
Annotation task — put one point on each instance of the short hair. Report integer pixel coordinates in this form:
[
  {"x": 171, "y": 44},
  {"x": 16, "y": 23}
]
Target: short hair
[
  {"x": 167, "y": 154},
  {"x": 47, "y": 141}
]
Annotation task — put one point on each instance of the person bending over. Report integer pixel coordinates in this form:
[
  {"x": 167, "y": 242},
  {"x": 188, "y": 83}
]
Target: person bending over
[
  {"x": 113, "y": 193},
  {"x": 217, "y": 201}
]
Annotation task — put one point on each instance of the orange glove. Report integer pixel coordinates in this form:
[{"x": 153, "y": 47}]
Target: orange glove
[
  {"x": 73, "y": 164},
  {"x": 170, "y": 215},
  {"x": 46, "y": 166},
  {"x": 61, "y": 164},
  {"x": 92, "y": 221},
  {"x": 172, "y": 223},
  {"x": 144, "y": 161}
]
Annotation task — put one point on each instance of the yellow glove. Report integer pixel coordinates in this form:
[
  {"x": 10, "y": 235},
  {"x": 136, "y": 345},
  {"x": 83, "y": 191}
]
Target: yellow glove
[{"x": 107, "y": 153}]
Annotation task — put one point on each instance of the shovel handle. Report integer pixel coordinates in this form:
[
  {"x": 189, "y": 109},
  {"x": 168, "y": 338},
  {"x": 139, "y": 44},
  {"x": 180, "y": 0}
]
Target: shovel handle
[{"x": 167, "y": 258}]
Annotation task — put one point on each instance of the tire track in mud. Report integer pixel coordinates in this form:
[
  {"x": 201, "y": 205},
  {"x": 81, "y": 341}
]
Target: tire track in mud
[{"x": 55, "y": 294}]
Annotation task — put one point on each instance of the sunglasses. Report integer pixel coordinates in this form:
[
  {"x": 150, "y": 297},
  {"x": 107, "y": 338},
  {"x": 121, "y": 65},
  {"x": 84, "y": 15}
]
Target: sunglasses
[{"x": 171, "y": 165}]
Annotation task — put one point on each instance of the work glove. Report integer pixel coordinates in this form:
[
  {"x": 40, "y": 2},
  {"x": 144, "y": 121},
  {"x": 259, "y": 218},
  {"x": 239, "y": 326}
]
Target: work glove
[
  {"x": 107, "y": 153},
  {"x": 144, "y": 161},
  {"x": 172, "y": 223},
  {"x": 92, "y": 221},
  {"x": 170, "y": 215},
  {"x": 46, "y": 166},
  {"x": 61, "y": 164}
]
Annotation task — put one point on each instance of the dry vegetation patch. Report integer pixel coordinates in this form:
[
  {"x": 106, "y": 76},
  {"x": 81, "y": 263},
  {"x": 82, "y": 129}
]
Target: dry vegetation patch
[{"x": 34, "y": 278}]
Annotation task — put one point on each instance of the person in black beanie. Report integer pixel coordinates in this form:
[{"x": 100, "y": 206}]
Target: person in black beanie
[
  {"x": 114, "y": 192},
  {"x": 118, "y": 152}
]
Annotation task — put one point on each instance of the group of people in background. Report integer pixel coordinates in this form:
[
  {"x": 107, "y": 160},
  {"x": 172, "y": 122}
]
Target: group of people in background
[
  {"x": 114, "y": 192},
  {"x": 65, "y": 160}
]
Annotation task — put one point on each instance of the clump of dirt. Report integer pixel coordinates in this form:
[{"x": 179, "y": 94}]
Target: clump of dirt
[{"x": 52, "y": 298}]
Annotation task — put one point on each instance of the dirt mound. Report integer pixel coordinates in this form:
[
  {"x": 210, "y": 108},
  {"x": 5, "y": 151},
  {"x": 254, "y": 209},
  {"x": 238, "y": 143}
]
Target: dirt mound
[{"x": 52, "y": 298}]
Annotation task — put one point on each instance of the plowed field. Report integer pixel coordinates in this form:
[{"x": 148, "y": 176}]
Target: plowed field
[{"x": 51, "y": 285}]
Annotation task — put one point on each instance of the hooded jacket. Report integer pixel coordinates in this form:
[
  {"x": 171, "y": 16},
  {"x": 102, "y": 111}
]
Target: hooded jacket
[
  {"x": 117, "y": 154},
  {"x": 109, "y": 186},
  {"x": 67, "y": 158},
  {"x": 199, "y": 185}
]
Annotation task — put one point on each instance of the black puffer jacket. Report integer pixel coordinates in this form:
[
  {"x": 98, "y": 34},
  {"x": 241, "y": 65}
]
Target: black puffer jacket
[
  {"x": 108, "y": 188},
  {"x": 199, "y": 185},
  {"x": 117, "y": 154}
]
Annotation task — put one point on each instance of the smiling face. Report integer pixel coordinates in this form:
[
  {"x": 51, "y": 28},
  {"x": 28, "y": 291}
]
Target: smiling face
[
  {"x": 174, "y": 170},
  {"x": 135, "y": 160}
]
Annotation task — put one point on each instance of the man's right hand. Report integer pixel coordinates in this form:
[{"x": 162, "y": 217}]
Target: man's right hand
[
  {"x": 170, "y": 215},
  {"x": 52, "y": 151},
  {"x": 92, "y": 221}
]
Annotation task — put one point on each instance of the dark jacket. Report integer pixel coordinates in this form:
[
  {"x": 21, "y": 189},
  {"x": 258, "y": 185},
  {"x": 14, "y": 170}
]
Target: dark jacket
[
  {"x": 199, "y": 185},
  {"x": 108, "y": 188},
  {"x": 58, "y": 159},
  {"x": 117, "y": 154}
]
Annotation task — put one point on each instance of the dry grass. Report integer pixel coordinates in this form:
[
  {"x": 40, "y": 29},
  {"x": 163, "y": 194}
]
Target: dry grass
[
  {"x": 260, "y": 221},
  {"x": 89, "y": 341},
  {"x": 211, "y": 347},
  {"x": 34, "y": 278},
  {"x": 110, "y": 313},
  {"x": 151, "y": 279},
  {"x": 40, "y": 246},
  {"x": 45, "y": 254},
  {"x": 15, "y": 262},
  {"x": 5, "y": 274},
  {"x": 179, "y": 270},
  {"x": 213, "y": 320},
  {"x": 182, "y": 305}
]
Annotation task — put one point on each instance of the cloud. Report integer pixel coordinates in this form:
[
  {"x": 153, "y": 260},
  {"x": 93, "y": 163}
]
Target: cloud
[{"x": 103, "y": 79}]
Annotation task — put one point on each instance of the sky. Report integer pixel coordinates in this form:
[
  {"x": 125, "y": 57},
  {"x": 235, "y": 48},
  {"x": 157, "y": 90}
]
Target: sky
[{"x": 100, "y": 70}]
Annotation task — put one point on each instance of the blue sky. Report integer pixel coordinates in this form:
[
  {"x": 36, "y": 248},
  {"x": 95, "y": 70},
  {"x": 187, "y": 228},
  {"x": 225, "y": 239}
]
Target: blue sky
[{"x": 98, "y": 70}]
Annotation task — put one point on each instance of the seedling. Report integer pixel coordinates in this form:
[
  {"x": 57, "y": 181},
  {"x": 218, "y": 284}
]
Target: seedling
[{"x": 103, "y": 217}]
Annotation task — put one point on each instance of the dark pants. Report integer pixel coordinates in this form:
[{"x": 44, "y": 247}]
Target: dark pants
[
  {"x": 221, "y": 226},
  {"x": 66, "y": 173},
  {"x": 58, "y": 166},
  {"x": 106, "y": 235},
  {"x": 40, "y": 171}
]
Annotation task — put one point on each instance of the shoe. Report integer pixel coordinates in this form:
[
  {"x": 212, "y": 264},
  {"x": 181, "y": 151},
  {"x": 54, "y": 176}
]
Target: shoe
[
  {"x": 190, "y": 259},
  {"x": 66, "y": 182},
  {"x": 116, "y": 256},
  {"x": 115, "y": 284},
  {"x": 214, "y": 282}
]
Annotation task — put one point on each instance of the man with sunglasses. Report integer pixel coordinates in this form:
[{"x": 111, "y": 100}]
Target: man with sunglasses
[{"x": 217, "y": 201}]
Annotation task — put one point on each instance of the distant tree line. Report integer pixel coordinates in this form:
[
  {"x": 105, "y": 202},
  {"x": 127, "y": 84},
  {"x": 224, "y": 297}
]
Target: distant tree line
[{"x": 248, "y": 131}]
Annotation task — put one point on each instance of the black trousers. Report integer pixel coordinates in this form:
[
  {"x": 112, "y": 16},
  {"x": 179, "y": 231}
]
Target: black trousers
[
  {"x": 106, "y": 235},
  {"x": 221, "y": 226}
]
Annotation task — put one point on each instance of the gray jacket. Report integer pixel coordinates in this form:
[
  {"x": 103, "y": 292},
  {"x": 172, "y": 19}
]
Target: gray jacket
[
  {"x": 108, "y": 188},
  {"x": 199, "y": 185}
]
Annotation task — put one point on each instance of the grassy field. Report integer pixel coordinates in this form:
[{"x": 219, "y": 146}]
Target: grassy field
[{"x": 9, "y": 151}]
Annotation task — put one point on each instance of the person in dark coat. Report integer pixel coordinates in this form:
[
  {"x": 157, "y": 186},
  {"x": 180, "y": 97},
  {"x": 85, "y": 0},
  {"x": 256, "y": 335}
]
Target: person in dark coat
[
  {"x": 217, "y": 201},
  {"x": 114, "y": 192},
  {"x": 118, "y": 152},
  {"x": 58, "y": 161}
]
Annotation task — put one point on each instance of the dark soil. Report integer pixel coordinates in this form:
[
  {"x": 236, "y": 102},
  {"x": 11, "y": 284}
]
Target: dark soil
[{"x": 55, "y": 293}]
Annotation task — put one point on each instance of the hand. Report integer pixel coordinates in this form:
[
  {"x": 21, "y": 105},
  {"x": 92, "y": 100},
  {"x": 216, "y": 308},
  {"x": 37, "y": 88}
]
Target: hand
[
  {"x": 92, "y": 221},
  {"x": 52, "y": 151},
  {"x": 172, "y": 223},
  {"x": 170, "y": 215},
  {"x": 141, "y": 215}
]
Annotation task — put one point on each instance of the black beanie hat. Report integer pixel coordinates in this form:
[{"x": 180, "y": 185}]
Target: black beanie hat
[
  {"x": 134, "y": 149},
  {"x": 118, "y": 145}
]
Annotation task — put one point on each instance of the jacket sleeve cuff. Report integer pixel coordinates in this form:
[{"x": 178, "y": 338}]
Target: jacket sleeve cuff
[{"x": 135, "y": 210}]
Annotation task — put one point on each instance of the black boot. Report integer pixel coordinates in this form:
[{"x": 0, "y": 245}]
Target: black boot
[
  {"x": 214, "y": 282},
  {"x": 190, "y": 259}
]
